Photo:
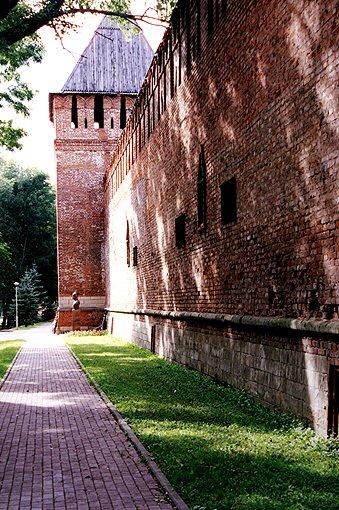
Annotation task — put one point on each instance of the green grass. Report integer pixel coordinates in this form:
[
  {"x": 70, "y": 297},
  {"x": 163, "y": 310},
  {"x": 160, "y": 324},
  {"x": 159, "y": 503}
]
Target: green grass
[
  {"x": 219, "y": 449},
  {"x": 8, "y": 350}
]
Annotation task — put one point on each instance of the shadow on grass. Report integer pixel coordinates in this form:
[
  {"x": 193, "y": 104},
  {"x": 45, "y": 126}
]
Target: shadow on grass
[
  {"x": 219, "y": 448},
  {"x": 173, "y": 392},
  {"x": 232, "y": 479}
]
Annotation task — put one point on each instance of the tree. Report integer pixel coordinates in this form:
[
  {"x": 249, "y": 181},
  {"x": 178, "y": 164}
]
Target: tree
[
  {"x": 35, "y": 14},
  {"x": 28, "y": 229},
  {"x": 6, "y": 273},
  {"x": 31, "y": 298},
  {"x": 13, "y": 91}
]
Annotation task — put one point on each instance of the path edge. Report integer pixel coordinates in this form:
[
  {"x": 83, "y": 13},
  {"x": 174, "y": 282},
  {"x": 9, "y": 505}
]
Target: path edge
[
  {"x": 143, "y": 452},
  {"x": 9, "y": 369}
]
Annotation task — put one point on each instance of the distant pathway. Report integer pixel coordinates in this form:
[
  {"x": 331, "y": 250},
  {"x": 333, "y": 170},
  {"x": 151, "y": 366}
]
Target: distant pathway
[{"x": 60, "y": 448}]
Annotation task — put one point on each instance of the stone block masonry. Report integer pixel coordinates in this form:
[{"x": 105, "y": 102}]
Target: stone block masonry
[{"x": 222, "y": 196}]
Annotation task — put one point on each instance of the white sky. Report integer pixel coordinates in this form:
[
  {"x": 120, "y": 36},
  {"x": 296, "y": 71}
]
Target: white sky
[{"x": 49, "y": 76}]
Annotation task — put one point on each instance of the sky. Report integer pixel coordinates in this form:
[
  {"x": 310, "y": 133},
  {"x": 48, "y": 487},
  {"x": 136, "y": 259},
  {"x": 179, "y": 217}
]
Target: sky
[{"x": 49, "y": 76}]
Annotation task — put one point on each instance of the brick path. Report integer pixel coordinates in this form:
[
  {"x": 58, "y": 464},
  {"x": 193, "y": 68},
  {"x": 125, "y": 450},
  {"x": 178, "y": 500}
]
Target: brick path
[{"x": 60, "y": 447}]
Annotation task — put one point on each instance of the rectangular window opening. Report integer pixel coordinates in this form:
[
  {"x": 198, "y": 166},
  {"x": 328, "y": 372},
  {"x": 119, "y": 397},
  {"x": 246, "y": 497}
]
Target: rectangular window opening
[
  {"x": 153, "y": 336},
  {"x": 128, "y": 254},
  {"x": 202, "y": 190},
  {"x": 74, "y": 114},
  {"x": 99, "y": 111},
  {"x": 210, "y": 15},
  {"x": 333, "y": 408},
  {"x": 180, "y": 234},
  {"x": 228, "y": 201},
  {"x": 135, "y": 256},
  {"x": 122, "y": 112},
  {"x": 188, "y": 41},
  {"x": 217, "y": 11}
]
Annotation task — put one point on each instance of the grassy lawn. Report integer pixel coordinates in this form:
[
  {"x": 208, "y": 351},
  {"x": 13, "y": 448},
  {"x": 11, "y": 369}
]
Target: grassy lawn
[
  {"x": 8, "y": 350},
  {"x": 219, "y": 449}
]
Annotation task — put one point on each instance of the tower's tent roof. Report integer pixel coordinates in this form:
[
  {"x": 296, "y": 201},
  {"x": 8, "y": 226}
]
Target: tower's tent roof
[{"x": 115, "y": 61}]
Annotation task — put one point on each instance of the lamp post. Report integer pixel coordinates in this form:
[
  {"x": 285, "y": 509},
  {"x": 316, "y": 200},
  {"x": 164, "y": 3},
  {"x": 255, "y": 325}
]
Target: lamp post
[{"x": 16, "y": 284}]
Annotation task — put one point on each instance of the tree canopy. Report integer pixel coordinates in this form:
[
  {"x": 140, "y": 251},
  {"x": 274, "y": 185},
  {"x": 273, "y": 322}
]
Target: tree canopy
[
  {"x": 35, "y": 14},
  {"x": 27, "y": 229}
]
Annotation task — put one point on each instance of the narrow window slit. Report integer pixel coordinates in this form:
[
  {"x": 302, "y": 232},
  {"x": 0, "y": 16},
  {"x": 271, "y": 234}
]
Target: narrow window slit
[
  {"x": 122, "y": 112},
  {"x": 99, "y": 111},
  {"x": 74, "y": 113},
  {"x": 229, "y": 201},
  {"x": 202, "y": 190}
]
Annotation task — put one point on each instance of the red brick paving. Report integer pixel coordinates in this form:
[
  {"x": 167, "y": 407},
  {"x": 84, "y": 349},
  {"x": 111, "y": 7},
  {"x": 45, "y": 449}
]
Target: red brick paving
[{"x": 60, "y": 447}]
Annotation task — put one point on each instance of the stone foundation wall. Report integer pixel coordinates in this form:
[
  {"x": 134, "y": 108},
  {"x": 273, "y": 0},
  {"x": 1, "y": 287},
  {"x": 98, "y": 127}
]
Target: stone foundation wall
[{"x": 282, "y": 368}]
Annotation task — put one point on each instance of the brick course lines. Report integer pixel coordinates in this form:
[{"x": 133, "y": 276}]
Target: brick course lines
[{"x": 60, "y": 448}]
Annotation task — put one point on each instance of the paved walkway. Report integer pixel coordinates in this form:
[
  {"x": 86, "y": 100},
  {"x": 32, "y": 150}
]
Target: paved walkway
[{"x": 60, "y": 447}]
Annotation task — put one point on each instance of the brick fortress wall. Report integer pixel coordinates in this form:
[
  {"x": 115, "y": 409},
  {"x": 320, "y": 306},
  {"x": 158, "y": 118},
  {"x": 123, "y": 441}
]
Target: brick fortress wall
[
  {"x": 221, "y": 241},
  {"x": 83, "y": 152}
]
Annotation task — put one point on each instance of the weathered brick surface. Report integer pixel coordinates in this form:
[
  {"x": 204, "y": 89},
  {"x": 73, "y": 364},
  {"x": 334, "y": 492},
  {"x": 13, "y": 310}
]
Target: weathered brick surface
[
  {"x": 82, "y": 155},
  {"x": 260, "y": 96},
  {"x": 266, "y": 113}
]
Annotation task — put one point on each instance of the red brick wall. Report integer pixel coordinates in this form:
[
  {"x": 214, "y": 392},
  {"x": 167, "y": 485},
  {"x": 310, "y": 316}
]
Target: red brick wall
[
  {"x": 261, "y": 98},
  {"x": 82, "y": 156},
  {"x": 259, "y": 94}
]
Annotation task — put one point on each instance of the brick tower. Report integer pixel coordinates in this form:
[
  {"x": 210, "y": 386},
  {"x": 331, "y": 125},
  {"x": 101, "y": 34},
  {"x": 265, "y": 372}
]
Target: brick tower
[{"x": 89, "y": 115}]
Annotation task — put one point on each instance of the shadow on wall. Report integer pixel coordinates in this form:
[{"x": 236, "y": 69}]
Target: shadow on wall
[{"x": 269, "y": 118}]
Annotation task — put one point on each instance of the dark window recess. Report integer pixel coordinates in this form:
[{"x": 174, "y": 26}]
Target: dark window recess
[
  {"x": 122, "y": 112},
  {"x": 86, "y": 124},
  {"x": 210, "y": 14},
  {"x": 217, "y": 10},
  {"x": 202, "y": 190},
  {"x": 188, "y": 41},
  {"x": 112, "y": 123},
  {"x": 128, "y": 252},
  {"x": 99, "y": 110},
  {"x": 153, "y": 336},
  {"x": 74, "y": 115},
  {"x": 229, "y": 201},
  {"x": 333, "y": 409},
  {"x": 180, "y": 230},
  {"x": 135, "y": 256}
]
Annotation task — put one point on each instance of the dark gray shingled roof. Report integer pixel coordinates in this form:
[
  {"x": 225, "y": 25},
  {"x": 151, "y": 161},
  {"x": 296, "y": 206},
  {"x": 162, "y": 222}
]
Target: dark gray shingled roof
[{"x": 115, "y": 62}]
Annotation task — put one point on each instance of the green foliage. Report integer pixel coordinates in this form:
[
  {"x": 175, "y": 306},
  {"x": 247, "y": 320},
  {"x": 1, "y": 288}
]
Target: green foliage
[
  {"x": 165, "y": 8},
  {"x": 31, "y": 298},
  {"x": 10, "y": 136},
  {"x": 27, "y": 229},
  {"x": 219, "y": 448},
  {"x": 14, "y": 93},
  {"x": 8, "y": 350},
  {"x": 7, "y": 270}
]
